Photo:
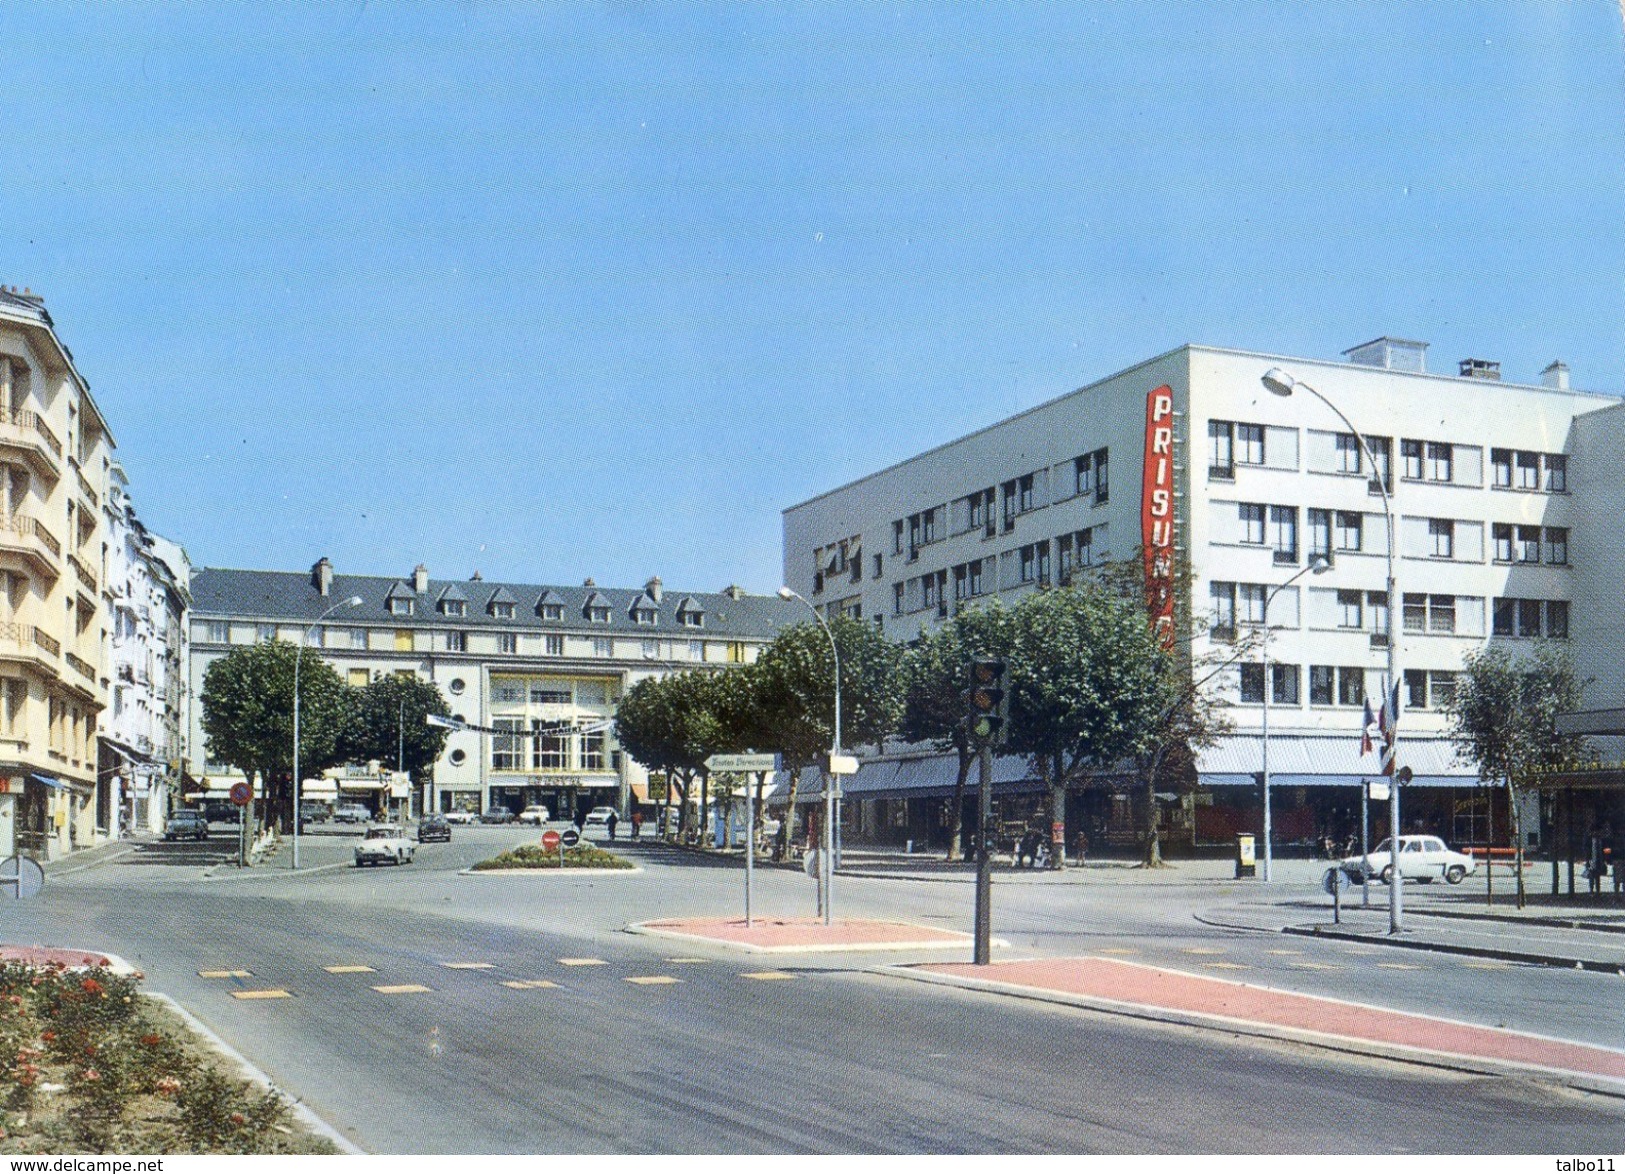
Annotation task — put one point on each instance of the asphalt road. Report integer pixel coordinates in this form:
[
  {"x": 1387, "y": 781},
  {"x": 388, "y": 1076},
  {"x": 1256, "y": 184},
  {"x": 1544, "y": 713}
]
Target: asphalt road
[{"x": 716, "y": 1057}]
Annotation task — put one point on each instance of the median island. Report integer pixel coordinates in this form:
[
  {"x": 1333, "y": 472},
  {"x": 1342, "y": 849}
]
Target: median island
[{"x": 534, "y": 856}]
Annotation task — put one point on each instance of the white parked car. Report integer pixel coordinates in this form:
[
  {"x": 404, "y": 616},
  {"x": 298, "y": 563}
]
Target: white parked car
[
  {"x": 384, "y": 842},
  {"x": 1421, "y": 858},
  {"x": 599, "y": 817},
  {"x": 536, "y": 814},
  {"x": 461, "y": 815}
]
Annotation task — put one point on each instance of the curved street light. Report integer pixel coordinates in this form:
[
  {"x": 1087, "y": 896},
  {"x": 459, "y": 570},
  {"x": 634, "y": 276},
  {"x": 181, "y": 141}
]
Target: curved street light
[
  {"x": 298, "y": 659},
  {"x": 1278, "y": 382},
  {"x": 826, "y": 864}
]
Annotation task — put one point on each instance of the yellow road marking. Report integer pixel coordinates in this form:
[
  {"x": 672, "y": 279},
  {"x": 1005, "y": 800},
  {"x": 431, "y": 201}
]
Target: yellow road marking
[
  {"x": 1293, "y": 953},
  {"x": 1225, "y": 966},
  {"x": 767, "y": 975},
  {"x": 654, "y": 980},
  {"x": 405, "y": 988},
  {"x": 688, "y": 960},
  {"x": 581, "y": 962},
  {"x": 468, "y": 965},
  {"x": 1486, "y": 965},
  {"x": 1119, "y": 951},
  {"x": 1200, "y": 950},
  {"x": 1311, "y": 966},
  {"x": 1396, "y": 966},
  {"x": 265, "y": 994},
  {"x": 349, "y": 969},
  {"x": 224, "y": 974},
  {"x": 533, "y": 984}
]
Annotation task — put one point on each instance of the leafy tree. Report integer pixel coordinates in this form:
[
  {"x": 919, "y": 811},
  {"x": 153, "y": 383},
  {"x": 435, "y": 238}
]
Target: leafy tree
[
  {"x": 1503, "y": 719},
  {"x": 248, "y": 717},
  {"x": 934, "y": 679},
  {"x": 387, "y": 718},
  {"x": 794, "y": 688},
  {"x": 647, "y": 727},
  {"x": 674, "y": 723},
  {"x": 1088, "y": 683}
]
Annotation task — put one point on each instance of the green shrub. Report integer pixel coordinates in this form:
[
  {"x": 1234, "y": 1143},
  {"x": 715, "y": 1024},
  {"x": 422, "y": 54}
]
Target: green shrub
[{"x": 535, "y": 856}]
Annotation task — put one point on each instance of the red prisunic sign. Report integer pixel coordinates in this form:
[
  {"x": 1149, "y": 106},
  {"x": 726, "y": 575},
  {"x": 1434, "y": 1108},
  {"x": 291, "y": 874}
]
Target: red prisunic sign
[{"x": 1157, "y": 512}]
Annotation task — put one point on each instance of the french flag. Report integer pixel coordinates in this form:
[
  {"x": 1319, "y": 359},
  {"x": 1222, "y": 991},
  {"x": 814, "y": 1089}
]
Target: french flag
[{"x": 1367, "y": 725}]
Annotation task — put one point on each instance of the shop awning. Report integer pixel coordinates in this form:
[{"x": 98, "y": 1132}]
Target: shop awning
[
  {"x": 56, "y": 784},
  {"x": 931, "y": 777},
  {"x": 1311, "y": 760}
]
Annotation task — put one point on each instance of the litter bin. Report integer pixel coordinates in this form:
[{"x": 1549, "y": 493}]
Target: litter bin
[{"x": 1245, "y": 863}]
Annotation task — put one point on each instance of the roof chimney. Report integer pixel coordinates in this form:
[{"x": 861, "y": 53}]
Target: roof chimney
[
  {"x": 420, "y": 578},
  {"x": 1480, "y": 369},
  {"x": 1556, "y": 376},
  {"x": 588, "y": 582},
  {"x": 476, "y": 577},
  {"x": 321, "y": 576},
  {"x": 734, "y": 591},
  {"x": 653, "y": 587}
]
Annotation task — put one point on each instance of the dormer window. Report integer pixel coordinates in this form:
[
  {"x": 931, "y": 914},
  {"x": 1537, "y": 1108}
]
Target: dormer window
[
  {"x": 689, "y": 614},
  {"x": 502, "y": 611},
  {"x": 645, "y": 616},
  {"x": 453, "y": 607},
  {"x": 552, "y": 611},
  {"x": 400, "y": 606},
  {"x": 596, "y": 609},
  {"x": 598, "y": 615}
]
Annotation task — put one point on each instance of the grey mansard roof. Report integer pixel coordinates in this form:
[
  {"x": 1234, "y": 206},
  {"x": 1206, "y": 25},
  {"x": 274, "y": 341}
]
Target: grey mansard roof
[{"x": 291, "y": 596}]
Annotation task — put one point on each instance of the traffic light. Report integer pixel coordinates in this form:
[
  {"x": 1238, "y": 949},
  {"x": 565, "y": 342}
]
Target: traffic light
[{"x": 987, "y": 702}]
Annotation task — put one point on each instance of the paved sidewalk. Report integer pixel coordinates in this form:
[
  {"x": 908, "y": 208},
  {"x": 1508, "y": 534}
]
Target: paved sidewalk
[{"x": 1168, "y": 995}]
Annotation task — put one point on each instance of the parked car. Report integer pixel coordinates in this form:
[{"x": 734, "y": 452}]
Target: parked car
[
  {"x": 384, "y": 842},
  {"x": 352, "y": 813},
  {"x": 186, "y": 824},
  {"x": 221, "y": 812},
  {"x": 497, "y": 815},
  {"x": 599, "y": 817},
  {"x": 434, "y": 827},
  {"x": 1421, "y": 858},
  {"x": 314, "y": 812},
  {"x": 461, "y": 815},
  {"x": 536, "y": 814}
]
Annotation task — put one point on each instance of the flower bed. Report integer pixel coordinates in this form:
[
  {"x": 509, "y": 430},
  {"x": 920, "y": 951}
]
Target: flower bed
[
  {"x": 90, "y": 1065},
  {"x": 536, "y": 856}
]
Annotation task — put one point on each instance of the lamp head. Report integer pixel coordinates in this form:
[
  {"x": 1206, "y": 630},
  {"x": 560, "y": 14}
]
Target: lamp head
[
  {"x": 353, "y": 601},
  {"x": 1278, "y": 381},
  {"x": 1320, "y": 564},
  {"x": 786, "y": 593}
]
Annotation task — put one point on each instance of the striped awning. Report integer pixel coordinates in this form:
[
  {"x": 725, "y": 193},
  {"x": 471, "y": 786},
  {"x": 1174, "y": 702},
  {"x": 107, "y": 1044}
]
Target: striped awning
[{"x": 1311, "y": 760}]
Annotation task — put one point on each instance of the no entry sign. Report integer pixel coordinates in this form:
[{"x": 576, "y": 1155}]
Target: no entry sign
[
  {"x": 241, "y": 793},
  {"x": 550, "y": 839}
]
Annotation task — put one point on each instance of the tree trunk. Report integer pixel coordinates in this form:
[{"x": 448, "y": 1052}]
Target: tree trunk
[
  {"x": 1057, "y": 818},
  {"x": 1152, "y": 857},
  {"x": 1517, "y": 841},
  {"x": 787, "y": 826},
  {"x": 956, "y": 824},
  {"x": 705, "y": 807},
  {"x": 665, "y": 808},
  {"x": 682, "y": 812}
]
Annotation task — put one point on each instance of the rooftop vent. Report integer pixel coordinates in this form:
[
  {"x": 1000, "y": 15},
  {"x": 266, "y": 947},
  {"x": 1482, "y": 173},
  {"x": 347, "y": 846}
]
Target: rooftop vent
[
  {"x": 1556, "y": 376},
  {"x": 1392, "y": 354},
  {"x": 1480, "y": 369}
]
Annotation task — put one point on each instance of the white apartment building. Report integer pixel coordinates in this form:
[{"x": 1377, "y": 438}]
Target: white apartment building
[
  {"x": 516, "y": 659},
  {"x": 141, "y": 732},
  {"x": 1505, "y": 518}
]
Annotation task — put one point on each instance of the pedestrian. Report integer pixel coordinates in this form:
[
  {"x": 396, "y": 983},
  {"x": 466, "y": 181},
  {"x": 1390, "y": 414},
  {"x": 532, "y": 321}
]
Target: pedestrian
[
  {"x": 637, "y": 823},
  {"x": 611, "y": 822},
  {"x": 1027, "y": 849},
  {"x": 1594, "y": 864}
]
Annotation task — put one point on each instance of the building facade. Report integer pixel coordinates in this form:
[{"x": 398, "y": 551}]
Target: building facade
[
  {"x": 515, "y": 660},
  {"x": 1489, "y": 483},
  {"x": 55, "y": 457}
]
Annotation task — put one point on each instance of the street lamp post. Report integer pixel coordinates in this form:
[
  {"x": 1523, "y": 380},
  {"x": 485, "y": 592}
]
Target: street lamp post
[
  {"x": 298, "y": 659},
  {"x": 1318, "y": 565},
  {"x": 1280, "y": 383},
  {"x": 826, "y": 863}
]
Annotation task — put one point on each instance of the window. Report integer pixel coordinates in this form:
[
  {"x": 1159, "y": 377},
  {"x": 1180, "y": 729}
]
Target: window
[
  {"x": 553, "y": 644},
  {"x": 358, "y": 638},
  {"x": 551, "y": 751},
  {"x": 456, "y": 687},
  {"x": 1529, "y": 617},
  {"x": 1528, "y": 470},
  {"x": 1557, "y": 619},
  {"x": 1322, "y": 684},
  {"x": 1284, "y": 684},
  {"x": 973, "y": 578},
  {"x": 1503, "y": 542},
  {"x": 592, "y": 751},
  {"x": 1557, "y": 473},
  {"x": 456, "y": 641},
  {"x": 1251, "y": 598},
  {"x": 1100, "y": 476},
  {"x": 356, "y": 678},
  {"x": 263, "y": 633},
  {"x": 961, "y": 578},
  {"x": 1252, "y": 523},
  {"x": 1505, "y": 622},
  {"x": 1529, "y": 544},
  {"x": 509, "y": 692},
  {"x": 508, "y": 744},
  {"x": 1557, "y": 545},
  {"x": 1350, "y": 530},
  {"x": 1441, "y": 538},
  {"x": 1440, "y": 462},
  {"x": 897, "y": 537},
  {"x": 896, "y": 599},
  {"x": 1284, "y": 532},
  {"x": 1416, "y": 689},
  {"x": 1221, "y": 451},
  {"x": 1416, "y": 612},
  {"x": 1350, "y": 612},
  {"x": 1442, "y": 686},
  {"x": 507, "y": 642},
  {"x": 1410, "y": 455},
  {"x": 1024, "y": 493},
  {"x": 650, "y": 649},
  {"x": 1252, "y": 684},
  {"x": 1320, "y": 532},
  {"x": 878, "y": 565},
  {"x": 696, "y": 619},
  {"x": 644, "y": 616},
  {"x": 1034, "y": 563},
  {"x": 1351, "y": 686},
  {"x": 1382, "y": 452},
  {"x": 453, "y": 607},
  {"x": 1442, "y": 613},
  {"x": 458, "y": 757},
  {"x": 1349, "y": 456},
  {"x": 1249, "y": 444},
  {"x": 696, "y": 650},
  {"x": 603, "y": 646},
  {"x": 736, "y": 652},
  {"x": 1501, "y": 468},
  {"x": 217, "y": 632},
  {"x": 501, "y": 611},
  {"x": 1222, "y": 597},
  {"x": 598, "y": 614},
  {"x": 552, "y": 611},
  {"x": 403, "y": 640},
  {"x": 1376, "y": 606},
  {"x": 400, "y": 607}
]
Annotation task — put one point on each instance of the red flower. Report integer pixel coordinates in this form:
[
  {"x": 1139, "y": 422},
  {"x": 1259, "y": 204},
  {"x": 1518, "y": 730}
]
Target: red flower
[
  {"x": 91, "y": 1074},
  {"x": 166, "y": 1085},
  {"x": 238, "y": 1119},
  {"x": 152, "y": 1040},
  {"x": 47, "y": 1036},
  {"x": 91, "y": 987},
  {"x": 90, "y": 1049}
]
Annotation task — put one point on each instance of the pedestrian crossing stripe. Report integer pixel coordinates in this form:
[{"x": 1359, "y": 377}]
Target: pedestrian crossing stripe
[
  {"x": 264, "y": 994},
  {"x": 1312, "y": 966},
  {"x": 767, "y": 975},
  {"x": 1120, "y": 951},
  {"x": 654, "y": 980},
  {"x": 1486, "y": 965},
  {"x": 1396, "y": 966},
  {"x": 349, "y": 970},
  {"x": 1201, "y": 950},
  {"x": 687, "y": 960},
  {"x": 405, "y": 988},
  {"x": 225, "y": 974},
  {"x": 529, "y": 984},
  {"x": 468, "y": 965},
  {"x": 1225, "y": 966},
  {"x": 1289, "y": 953},
  {"x": 581, "y": 962}
]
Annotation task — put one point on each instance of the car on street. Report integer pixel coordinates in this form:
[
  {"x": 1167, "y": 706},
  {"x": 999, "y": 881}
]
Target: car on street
[
  {"x": 384, "y": 843},
  {"x": 461, "y": 815},
  {"x": 536, "y": 814},
  {"x": 497, "y": 815},
  {"x": 314, "y": 812},
  {"x": 434, "y": 827},
  {"x": 218, "y": 812},
  {"x": 186, "y": 824},
  {"x": 599, "y": 817},
  {"x": 351, "y": 813},
  {"x": 1421, "y": 858}
]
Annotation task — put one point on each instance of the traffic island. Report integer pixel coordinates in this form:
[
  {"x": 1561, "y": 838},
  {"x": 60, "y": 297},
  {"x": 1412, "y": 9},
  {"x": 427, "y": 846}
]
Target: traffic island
[
  {"x": 545, "y": 858},
  {"x": 806, "y": 935}
]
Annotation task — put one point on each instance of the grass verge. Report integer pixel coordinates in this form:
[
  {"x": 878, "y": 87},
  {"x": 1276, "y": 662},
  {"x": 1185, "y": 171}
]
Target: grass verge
[{"x": 535, "y": 856}]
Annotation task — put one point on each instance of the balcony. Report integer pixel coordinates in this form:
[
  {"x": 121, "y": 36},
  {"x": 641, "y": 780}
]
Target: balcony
[
  {"x": 27, "y": 643},
  {"x": 28, "y": 435},
  {"x": 82, "y": 666},
  {"x": 82, "y": 569},
  {"x": 84, "y": 488},
  {"x": 23, "y": 535}
]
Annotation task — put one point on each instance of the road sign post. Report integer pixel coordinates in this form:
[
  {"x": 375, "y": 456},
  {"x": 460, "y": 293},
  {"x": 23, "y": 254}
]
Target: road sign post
[
  {"x": 747, "y": 764},
  {"x": 551, "y": 840}
]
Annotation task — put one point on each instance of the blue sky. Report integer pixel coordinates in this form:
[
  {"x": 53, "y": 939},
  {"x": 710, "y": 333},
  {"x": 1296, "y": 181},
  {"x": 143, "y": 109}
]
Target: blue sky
[{"x": 550, "y": 291}]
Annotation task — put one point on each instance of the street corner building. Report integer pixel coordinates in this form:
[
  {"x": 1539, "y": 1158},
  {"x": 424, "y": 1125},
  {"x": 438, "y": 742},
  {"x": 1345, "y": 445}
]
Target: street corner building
[
  {"x": 1250, "y": 484},
  {"x": 534, "y": 671}
]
